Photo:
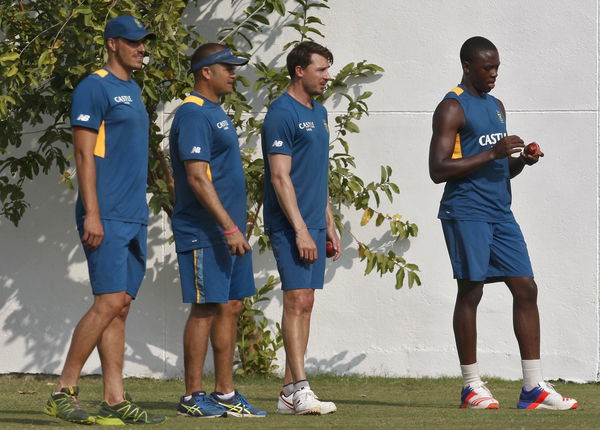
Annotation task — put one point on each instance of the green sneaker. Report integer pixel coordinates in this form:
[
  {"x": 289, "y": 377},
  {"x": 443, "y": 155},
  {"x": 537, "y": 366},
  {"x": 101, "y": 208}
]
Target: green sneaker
[
  {"x": 64, "y": 405},
  {"x": 126, "y": 412}
]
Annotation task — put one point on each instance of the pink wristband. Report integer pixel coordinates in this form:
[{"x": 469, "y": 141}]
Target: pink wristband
[{"x": 233, "y": 230}]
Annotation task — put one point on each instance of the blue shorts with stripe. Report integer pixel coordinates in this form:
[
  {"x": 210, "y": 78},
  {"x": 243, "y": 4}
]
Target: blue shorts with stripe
[
  {"x": 488, "y": 252},
  {"x": 213, "y": 275},
  {"x": 119, "y": 263},
  {"x": 295, "y": 274}
]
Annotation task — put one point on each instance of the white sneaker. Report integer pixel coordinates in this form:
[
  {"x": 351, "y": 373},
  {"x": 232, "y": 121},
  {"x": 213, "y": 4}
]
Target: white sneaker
[
  {"x": 285, "y": 404},
  {"x": 544, "y": 396},
  {"x": 306, "y": 402},
  {"x": 477, "y": 396}
]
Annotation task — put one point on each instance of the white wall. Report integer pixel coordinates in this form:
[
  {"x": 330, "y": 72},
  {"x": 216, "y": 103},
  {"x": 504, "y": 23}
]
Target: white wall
[{"x": 549, "y": 85}]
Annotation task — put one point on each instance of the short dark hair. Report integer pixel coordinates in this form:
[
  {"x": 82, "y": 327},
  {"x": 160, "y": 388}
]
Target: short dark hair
[
  {"x": 300, "y": 56},
  {"x": 473, "y": 46},
  {"x": 204, "y": 51}
]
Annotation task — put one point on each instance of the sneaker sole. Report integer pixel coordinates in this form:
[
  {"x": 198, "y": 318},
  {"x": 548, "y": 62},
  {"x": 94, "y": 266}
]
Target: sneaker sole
[
  {"x": 183, "y": 414},
  {"x": 492, "y": 406},
  {"x": 52, "y": 413},
  {"x": 119, "y": 422},
  {"x": 533, "y": 406},
  {"x": 102, "y": 421},
  {"x": 314, "y": 411},
  {"x": 238, "y": 415}
]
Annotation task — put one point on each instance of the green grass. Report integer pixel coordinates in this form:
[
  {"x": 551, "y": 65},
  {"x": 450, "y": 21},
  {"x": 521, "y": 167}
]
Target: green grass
[{"x": 363, "y": 402}]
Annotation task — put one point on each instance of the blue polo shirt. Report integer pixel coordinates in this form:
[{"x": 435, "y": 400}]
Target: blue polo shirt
[
  {"x": 201, "y": 130},
  {"x": 290, "y": 128},
  {"x": 114, "y": 108},
  {"x": 485, "y": 194}
]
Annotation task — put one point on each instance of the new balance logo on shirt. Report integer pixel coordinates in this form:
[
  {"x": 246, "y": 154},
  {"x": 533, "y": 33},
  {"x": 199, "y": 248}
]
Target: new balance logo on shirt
[
  {"x": 277, "y": 144},
  {"x": 196, "y": 150},
  {"x": 223, "y": 124},
  {"x": 83, "y": 117}
]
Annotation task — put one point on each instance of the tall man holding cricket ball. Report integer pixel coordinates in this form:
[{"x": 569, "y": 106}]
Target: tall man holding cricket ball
[
  {"x": 471, "y": 151},
  {"x": 298, "y": 219}
]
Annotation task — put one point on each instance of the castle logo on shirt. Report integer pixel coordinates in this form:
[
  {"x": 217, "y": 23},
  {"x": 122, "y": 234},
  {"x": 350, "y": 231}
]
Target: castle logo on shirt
[
  {"x": 491, "y": 139},
  {"x": 223, "y": 125},
  {"x": 123, "y": 99},
  {"x": 307, "y": 125}
]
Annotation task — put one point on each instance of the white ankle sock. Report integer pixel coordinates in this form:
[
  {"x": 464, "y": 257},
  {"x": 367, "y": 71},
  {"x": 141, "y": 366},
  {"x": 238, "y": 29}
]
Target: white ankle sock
[
  {"x": 470, "y": 373},
  {"x": 226, "y": 396},
  {"x": 532, "y": 373}
]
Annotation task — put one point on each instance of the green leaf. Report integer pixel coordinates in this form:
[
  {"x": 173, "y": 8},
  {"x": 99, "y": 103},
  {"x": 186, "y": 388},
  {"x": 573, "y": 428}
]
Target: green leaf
[
  {"x": 400, "y": 278},
  {"x": 352, "y": 127},
  {"x": 9, "y": 56}
]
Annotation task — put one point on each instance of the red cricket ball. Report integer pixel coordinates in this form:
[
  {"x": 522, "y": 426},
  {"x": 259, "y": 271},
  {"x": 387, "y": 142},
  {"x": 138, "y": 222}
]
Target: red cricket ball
[
  {"x": 532, "y": 149},
  {"x": 329, "y": 251}
]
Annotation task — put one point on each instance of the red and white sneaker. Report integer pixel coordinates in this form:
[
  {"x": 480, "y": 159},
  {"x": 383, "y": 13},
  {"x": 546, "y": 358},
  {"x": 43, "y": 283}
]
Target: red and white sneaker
[
  {"x": 544, "y": 396},
  {"x": 477, "y": 396},
  {"x": 307, "y": 403},
  {"x": 285, "y": 404}
]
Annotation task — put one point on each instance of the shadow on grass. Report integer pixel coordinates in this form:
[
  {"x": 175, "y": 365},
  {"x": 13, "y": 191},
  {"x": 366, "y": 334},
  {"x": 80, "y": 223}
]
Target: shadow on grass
[
  {"x": 50, "y": 422},
  {"x": 365, "y": 403}
]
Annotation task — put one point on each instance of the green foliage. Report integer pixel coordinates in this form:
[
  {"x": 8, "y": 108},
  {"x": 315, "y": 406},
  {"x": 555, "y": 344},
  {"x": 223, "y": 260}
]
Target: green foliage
[
  {"x": 257, "y": 345},
  {"x": 49, "y": 46}
]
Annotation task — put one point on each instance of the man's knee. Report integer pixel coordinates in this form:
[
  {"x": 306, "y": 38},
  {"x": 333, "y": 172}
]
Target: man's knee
[
  {"x": 469, "y": 293},
  {"x": 112, "y": 305},
  {"x": 524, "y": 290},
  {"x": 231, "y": 309},
  {"x": 299, "y": 301}
]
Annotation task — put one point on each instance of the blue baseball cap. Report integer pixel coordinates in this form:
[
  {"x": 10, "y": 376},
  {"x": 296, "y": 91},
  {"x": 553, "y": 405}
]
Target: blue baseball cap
[
  {"x": 224, "y": 56},
  {"x": 127, "y": 27}
]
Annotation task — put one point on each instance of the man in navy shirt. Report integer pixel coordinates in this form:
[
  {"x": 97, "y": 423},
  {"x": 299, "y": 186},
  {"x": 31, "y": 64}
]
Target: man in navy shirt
[
  {"x": 298, "y": 219},
  {"x": 209, "y": 224},
  {"x": 472, "y": 152},
  {"x": 110, "y": 134}
]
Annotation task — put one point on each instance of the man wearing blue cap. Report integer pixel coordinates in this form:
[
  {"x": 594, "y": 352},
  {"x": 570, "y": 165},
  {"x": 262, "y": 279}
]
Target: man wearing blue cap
[
  {"x": 110, "y": 135},
  {"x": 209, "y": 224}
]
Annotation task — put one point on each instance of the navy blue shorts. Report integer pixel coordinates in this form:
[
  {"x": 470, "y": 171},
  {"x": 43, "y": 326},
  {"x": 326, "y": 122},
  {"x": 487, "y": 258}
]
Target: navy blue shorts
[
  {"x": 119, "y": 263},
  {"x": 213, "y": 275},
  {"x": 489, "y": 252},
  {"x": 295, "y": 274}
]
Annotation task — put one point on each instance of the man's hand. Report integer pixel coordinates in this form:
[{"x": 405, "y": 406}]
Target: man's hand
[
  {"x": 507, "y": 146},
  {"x": 236, "y": 242},
  {"x": 531, "y": 154},
  {"x": 306, "y": 246},
  {"x": 335, "y": 240},
  {"x": 93, "y": 232}
]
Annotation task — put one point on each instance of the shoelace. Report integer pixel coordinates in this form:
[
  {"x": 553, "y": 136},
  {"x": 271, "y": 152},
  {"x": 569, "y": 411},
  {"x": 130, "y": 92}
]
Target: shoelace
[
  {"x": 482, "y": 387},
  {"x": 548, "y": 387}
]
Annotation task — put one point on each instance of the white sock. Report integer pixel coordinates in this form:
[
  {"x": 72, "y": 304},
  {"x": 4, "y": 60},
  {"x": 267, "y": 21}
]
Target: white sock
[
  {"x": 187, "y": 398},
  {"x": 470, "y": 373},
  {"x": 532, "y": 373},
  {"x": 226, "y": 396}
]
